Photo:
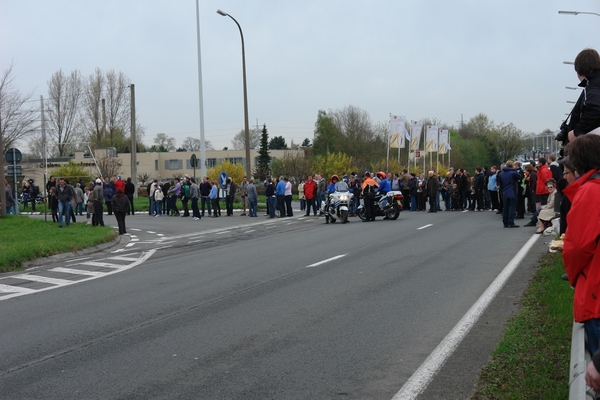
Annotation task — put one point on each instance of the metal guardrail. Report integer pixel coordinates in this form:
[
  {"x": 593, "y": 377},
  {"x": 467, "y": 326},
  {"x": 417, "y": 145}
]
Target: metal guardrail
[{"x": 578, "y": 390}]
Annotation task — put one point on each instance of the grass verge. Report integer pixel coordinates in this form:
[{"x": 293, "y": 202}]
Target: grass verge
[
  {"x": 532, "y": 358},
  {"x": 25, "y": 239}
]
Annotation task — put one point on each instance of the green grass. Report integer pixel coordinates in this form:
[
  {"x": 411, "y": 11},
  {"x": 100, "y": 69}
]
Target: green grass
[
  {"x": 532, "y": 359},
  {"x": 25, "y": 239}
]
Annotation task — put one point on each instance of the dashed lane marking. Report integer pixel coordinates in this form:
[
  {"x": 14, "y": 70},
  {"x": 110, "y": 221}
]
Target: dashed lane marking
[{"x": 9, "y": 289}]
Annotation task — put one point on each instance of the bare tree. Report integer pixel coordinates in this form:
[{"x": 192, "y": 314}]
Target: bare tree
[
  {"x": 16, "y": 122},
  {"x": 103, "y": 126},
  {"x": 143, "y": 178},
  {"x": 109, "y": 166},
  {"x": 239, "y": 140},
  {"x": 164, "y": 143},
  {"x": 193, "y": 144},
  {"x": 64, "y": 93},
  {"x": 92, "y": 107}
]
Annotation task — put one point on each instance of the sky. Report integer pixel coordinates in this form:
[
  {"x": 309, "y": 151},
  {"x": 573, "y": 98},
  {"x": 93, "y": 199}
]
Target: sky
[{"x": 448, "y": 60}]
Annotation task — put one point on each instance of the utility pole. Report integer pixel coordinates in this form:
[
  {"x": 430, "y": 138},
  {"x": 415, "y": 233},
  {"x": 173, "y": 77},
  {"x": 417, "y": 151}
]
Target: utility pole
[
  {"x": 2, "y": 192},
  {"x": 133, "y": 140},
  {"x": 44, "y": 156},
  {"x": 104, "y": 121}
]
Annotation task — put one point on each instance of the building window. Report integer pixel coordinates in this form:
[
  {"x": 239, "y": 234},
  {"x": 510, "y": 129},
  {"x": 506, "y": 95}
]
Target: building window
[
  {"x": 173, "y": 164},
  {"x": 211, "y": 162},
  {"x": 235, "y": 160},
  {"x": 156, "y": 165}
]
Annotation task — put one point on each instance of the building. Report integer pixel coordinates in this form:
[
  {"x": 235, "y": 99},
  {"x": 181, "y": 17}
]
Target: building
[{"x": 161, "y": 166}]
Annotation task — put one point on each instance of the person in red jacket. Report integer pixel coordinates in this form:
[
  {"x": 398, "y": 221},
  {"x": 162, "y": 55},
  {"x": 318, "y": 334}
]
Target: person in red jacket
[
  {"x": 310, "y": 191},
  {"x": 581, "y": 252},
  {"x": 120, "y": 184},
  {"x": 541, "y": 192}
]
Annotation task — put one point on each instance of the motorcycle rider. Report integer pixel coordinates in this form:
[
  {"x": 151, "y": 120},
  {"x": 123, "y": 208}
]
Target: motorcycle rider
[
  {"x": 369, "y": 187},
  {"x": 335, "y": 186}
]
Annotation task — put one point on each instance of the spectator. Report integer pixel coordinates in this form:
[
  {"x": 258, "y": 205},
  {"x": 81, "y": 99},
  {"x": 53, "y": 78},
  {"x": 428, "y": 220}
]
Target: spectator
[
  {"x": 129, "y": 192},
  {"x": 581, "y": 253},
  {"x": 301, "y": 195},
  {"x": 288, "y": 198},
  {"x": 280, "y": 192},
  {"x": 64, "y": 194},
  {"x": 230, "y": 189},
  {"x": 432, "y": 191},
  {"x": 205, "y": 188},
  {"x": 509, "y": 184},
  {"x": 252, "y": 198},
  {"x": 585, "y": 116},
  {"x": 243, "y": 194},
  {"x": 194, "y": 195},
  {"x": 214, "y": 198},
  {"x": 310, "y": 192},
  {"x": 98, "y": 196},
  {"x": 159, "y": 196},
  {"x": 120, "y": 205},
  {"x": 547, "y": 212},
  {"x": 271, "y": 197}
]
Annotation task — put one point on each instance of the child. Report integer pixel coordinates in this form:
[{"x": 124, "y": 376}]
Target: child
[
  {"x": 455, "y": 195},
  {"x": 158, "y": 199}
]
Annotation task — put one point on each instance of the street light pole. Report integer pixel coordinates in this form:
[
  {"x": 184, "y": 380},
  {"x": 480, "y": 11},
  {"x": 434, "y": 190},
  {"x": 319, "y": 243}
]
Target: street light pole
[
  {"x": 578, "y": 12},
  {"x": 201, "y": 99},
  {"x": 246, "y": 125}
]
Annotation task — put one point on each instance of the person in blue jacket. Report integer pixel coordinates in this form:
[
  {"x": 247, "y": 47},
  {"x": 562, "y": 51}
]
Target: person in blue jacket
[
  {"x": 508, "y": 180},
  {"x": 384, "y": 183}
]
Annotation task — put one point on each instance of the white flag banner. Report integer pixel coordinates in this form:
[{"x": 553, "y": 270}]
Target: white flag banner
[
  {"x": 415, "y": 141},
  {"x": 398, "y": 132},
  {"x": 443, "y": 149},
  {"x": 431, "y": 144}
]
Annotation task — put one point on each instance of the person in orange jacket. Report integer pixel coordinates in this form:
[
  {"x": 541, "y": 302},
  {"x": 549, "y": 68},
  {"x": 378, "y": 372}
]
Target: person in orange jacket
[{"x": 369, "y": 188}]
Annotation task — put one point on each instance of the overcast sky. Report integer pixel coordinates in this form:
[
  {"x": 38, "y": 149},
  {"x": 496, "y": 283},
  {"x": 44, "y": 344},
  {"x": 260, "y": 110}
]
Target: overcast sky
[{"x": 417, "y": 58}]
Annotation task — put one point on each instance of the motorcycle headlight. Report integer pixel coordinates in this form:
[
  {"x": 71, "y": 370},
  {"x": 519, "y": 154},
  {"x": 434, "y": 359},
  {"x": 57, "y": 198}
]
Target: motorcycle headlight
[{"x": 343, "y": 198}]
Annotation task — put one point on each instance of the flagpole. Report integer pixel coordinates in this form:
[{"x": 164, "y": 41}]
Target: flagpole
[{"x": 387, "y": 161}]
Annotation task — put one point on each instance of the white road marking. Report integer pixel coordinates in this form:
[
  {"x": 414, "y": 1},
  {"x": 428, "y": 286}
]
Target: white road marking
[
  {"x": 425, "y": 226},
  {"x": 43, "y": 279},
  {"x": 150, "y": 232},
  {"x": 326, "y": 261},
  {"x": 135, "y": 229},
  {"x": 419, "y": 381},
  {"x": 129, "y": 244},
  {"x": 222, "y": 233},
  {"x": 78, "y": 259},
  {"x": 99, "y": 264},
  {"x": 14, "y": 289},
  {"x": 123, "y": 258},
  {"x": 251, "y": 230},
  {"x": 77, "y": 271}
]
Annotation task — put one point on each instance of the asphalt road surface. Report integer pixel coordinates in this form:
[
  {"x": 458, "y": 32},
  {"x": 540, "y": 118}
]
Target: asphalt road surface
[{"x": 252, "y": 308}]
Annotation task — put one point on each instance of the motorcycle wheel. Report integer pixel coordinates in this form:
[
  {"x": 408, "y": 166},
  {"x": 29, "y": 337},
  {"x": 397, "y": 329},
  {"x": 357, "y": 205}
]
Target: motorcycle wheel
[
  {"x": 344, "y": 216},
  {"x": 361, "y": 213},
  {"x": 393, "y": 213}
]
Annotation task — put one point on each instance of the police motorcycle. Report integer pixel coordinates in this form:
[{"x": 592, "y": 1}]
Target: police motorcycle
[
  {"x": 337, "y": 207},
  {"x": 388, "y": 205},
  {"x": 337, "y": 203}
]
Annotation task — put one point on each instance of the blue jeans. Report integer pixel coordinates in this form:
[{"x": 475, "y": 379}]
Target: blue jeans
[
  {"x": 152, "y": 205},
  {"x": 272, "y": 205},
  {"x": 413, "y": 203},
  {"x": 592, "y": 330},
  {"x": 64, "y": 208},
  {"x": 158, "y": 207},
  {"x": 508, "y": 211},
  {"x": 252, "y": 208}
]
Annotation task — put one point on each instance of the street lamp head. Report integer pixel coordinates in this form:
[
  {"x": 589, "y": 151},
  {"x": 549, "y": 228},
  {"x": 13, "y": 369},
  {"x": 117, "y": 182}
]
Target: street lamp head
[
  {"x": 569, "y": 12},
  {"x": 223, "y": 13}
]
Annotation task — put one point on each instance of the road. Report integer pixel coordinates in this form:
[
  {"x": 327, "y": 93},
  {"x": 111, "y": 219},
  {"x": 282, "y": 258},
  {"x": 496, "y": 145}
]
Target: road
[{"x": 251, "y": 308}]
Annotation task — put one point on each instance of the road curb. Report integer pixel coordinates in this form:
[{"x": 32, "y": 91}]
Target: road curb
[{"x": 118, "y": 241}]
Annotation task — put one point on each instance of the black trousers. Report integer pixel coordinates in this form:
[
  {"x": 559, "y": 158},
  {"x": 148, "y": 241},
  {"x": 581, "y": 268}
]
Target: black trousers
[
  {"x": 131, "y": 208},
  {"x": 120, "y": 216},
  {"x": 98, "y": 214}
]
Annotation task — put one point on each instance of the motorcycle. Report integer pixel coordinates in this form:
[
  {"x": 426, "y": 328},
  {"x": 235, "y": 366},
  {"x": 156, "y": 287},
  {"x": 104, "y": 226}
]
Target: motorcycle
[
  {"x": 388, "y": 205},
  {"x": 337, "y": 207}
]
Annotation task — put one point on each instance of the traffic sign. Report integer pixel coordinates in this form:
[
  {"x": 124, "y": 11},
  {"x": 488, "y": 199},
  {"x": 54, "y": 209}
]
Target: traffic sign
[
  {"x": 13, "y": 156},
  {"x": 12, "y": 170},
  {"x": 223, "y": 178},
  {"x": 194, "y": 161}
]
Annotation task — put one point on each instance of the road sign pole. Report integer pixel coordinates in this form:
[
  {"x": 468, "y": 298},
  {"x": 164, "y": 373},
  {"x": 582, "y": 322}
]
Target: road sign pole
[{"x": 15, "y": 191}]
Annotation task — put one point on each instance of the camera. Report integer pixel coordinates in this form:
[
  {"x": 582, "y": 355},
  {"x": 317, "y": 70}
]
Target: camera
[{"x": 563, "y": 135}]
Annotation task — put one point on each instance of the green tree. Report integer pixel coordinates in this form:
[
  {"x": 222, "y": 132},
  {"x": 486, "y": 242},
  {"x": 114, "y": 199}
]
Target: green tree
[
  {"x": 234, "y": 171},
  {"x": 263, "y": 159},
  {"x": 73, "y": 172},
  {"x": 162, "y": 141},
  {"x": 306, "y": 143},
  {"x": 508, "y": 140},
  {"x": 332, "y": 163},
  {"x": 277, "y": 143},
  {"x": 294, "y": 165},
  {"x": 328, "y": 137}
]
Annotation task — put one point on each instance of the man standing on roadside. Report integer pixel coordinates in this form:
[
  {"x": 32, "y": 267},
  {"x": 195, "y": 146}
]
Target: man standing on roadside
[
  {"x": 98, "y": 204},
  {"x": 64, "y": 195},
  {"x": 509, "y": 184},
  {"x": 205, "y": 188},
  {"x": 321, "y": 189},
  {"x": 129, "y": 192},
  {"x": 280, "y": 192},
  {"x": 369, "y": 188},
  {"x": 432, "y": 191},
  {"x": 242, "y": 190},
  {"x": 310, "y": 191}
]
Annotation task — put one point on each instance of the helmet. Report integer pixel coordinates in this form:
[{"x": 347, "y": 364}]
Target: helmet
[
  {"x": 98, "y": 181},
  {"x": 336, "y": 177},
  {"x": 367, "y": 173},
  {"x": 381, "y": 175}
]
